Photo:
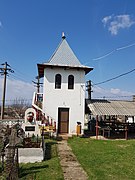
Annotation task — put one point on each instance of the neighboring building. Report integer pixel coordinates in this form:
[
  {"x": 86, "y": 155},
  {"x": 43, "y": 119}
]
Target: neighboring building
[
  {"x": 111, "y": 118},
  {"x": 120, "y": 110},
  {"x": 64, "y": 89}
]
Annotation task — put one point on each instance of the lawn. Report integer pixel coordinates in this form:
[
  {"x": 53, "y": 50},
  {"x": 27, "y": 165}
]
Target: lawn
[
  {"x": 49, "y": 169},
  {"x": 105, "y": 159}
]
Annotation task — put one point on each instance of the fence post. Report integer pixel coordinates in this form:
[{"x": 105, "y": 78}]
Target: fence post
[
  {"x": 126, "y": 132},
  {"x": 43, "y": 143},
  {"x": 97, "y": 127}
]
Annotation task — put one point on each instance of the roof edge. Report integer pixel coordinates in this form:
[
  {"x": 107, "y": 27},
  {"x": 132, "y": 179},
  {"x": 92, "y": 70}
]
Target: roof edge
[{"x": 41, "y": 68}]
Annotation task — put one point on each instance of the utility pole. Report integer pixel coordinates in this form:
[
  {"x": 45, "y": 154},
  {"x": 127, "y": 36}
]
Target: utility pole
[
  {"x": 88, "y": 85},
  {"x": 4, "y": 71},
  {"x": 38, "y": 84}
]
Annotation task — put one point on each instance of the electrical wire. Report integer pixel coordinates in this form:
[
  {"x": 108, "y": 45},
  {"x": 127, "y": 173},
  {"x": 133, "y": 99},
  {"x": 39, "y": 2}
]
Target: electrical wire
[
  {"x": 101, "y": 57},
  {"x": 113, "y": 97},
  {"x": 116, "y": 77},
  {"x": 113, "y": 51},
  {"x": 17, "y": 101},
  {"x": 22, "y": 75},
  {"x": 108, "y": 97},
  {"x": 16, "y": 77}
]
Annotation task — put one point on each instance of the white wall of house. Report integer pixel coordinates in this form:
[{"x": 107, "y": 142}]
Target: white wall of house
[{"x": 74, "y": 99}]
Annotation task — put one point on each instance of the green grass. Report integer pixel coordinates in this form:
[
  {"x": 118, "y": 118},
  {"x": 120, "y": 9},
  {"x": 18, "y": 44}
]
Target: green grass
[
  {"x": 105, "y": 160},
  {"x": 49, "y": 169}
]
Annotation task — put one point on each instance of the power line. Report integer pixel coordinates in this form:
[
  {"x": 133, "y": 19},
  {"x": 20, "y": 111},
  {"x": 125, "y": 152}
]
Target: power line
[
  {"x": 111, "y": 52},
  {"x": 38, "y": 84},
  {"x": 112, "y": 97},
  {"x": 17, "y": 99},
  {"x": 106, "y": 91},
  {"x": 16, "y": 77},
  {"x": 102, "y": 82},
  {"x": 105, "y": 55},
  {"x": 22, "y": 75},
  {"x": 117, "y": 49}
]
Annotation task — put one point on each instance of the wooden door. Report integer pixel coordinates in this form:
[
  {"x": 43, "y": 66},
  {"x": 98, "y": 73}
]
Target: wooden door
[{"x": 63, "y": 120}]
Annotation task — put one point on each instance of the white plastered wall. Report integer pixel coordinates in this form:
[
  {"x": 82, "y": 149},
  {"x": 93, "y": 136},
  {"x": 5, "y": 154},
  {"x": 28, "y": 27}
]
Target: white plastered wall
[{"x": 64, "y": 97}]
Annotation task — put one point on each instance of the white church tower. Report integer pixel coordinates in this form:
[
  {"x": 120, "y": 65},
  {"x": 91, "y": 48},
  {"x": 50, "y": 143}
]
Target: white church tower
[{"x": 64, "y": 89}]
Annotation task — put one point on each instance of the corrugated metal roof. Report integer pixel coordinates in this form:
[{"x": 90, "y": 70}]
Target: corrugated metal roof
[
  {"x": 63, "y": 57},
  {"x": 106, "y": 107}
]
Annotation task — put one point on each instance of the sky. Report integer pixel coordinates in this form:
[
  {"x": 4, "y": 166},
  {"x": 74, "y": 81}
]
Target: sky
[{"x": 100, "y": 32}]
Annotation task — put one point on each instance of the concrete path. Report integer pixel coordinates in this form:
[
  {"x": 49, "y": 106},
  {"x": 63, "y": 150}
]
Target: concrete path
[{"x": 72, "y": 169}]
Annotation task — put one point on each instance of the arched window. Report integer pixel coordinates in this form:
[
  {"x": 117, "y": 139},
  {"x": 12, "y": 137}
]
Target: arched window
[
  {"x": 58, "y": 81},
  {"x": 70, "y": 82}
]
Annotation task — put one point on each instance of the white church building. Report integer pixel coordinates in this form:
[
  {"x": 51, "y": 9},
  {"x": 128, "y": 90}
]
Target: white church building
[
  {"x": 62, "y": 102},
  {"x": 64, "y": 88}
]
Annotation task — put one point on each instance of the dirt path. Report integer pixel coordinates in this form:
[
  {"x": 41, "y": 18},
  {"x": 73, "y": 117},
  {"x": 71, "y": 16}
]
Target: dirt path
[{"x": 72, "y": 169}]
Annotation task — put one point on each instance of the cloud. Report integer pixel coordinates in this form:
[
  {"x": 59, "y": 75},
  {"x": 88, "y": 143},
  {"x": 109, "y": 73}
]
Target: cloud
[
  {"x": 17, "y": 89},
  {"x": 113, "y": 93},
  {"x": 115, "y": 23},
  {"x": 106, "y": 19}
]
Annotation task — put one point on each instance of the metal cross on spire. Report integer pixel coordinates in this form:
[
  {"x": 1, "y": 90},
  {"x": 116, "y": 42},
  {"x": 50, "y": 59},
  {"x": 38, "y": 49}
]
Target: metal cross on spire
[{"x": 63, "y": 35}]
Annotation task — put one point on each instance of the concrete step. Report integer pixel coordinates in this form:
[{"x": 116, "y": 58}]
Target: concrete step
[{"x": 63, "y": 137}]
